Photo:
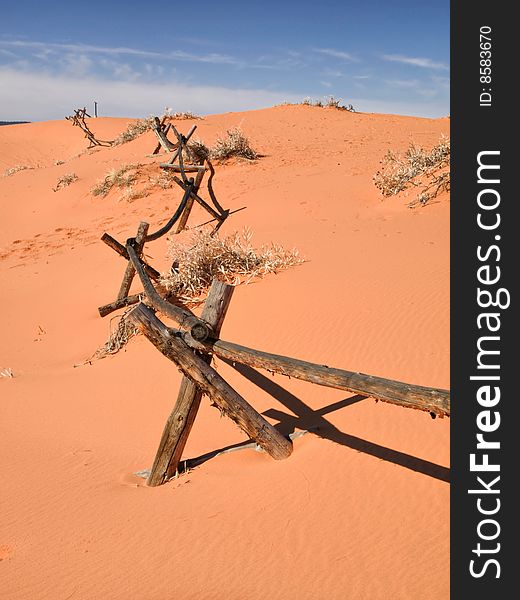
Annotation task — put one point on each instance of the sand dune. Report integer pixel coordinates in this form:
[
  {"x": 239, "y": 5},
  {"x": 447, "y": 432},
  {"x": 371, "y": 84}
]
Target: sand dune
[{"x": 361, "y": 508}]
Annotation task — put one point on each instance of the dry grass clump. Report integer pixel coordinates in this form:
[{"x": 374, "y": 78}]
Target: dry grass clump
[
  {"x": 329, "y": 102},
  {"x": 196, "y": 152},
  {"x": 235, "y": 144},
  {"x": 183, "y": 116},
  {"x": 428, "y": 170},
  {"x": 15, "y": 169},
  {"x": 65, "y": 181},
  {"x": 118, "y": 338},
  {"x": 231, "y": 259},
  {"x": 133, "y": 131},
  {"x": 121, "y": 177},
  {"x": 134, "y": 193}
]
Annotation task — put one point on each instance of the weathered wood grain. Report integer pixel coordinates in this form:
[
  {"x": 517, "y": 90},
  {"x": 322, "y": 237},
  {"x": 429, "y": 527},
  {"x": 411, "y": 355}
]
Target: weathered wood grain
[
  {"x": 198, "y": 329},
  {"x": 433, "y": 400},
  {"x": 179, "y": 423},
  {"x": 211, "y": 383}
]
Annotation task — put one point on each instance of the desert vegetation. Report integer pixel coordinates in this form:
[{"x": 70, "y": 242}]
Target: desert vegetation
[
  {"x": 427, "y": 170},
  {"x": 16, "y": 169},
  {"x": 121, "y": 177},
  {"x": 133, "y": 131},
  {"x": 234, "y": 144},
  {"x": 65, "y": 181},
  {"x": 232, "y": 259},
  {"x": 329, "y": 102}
]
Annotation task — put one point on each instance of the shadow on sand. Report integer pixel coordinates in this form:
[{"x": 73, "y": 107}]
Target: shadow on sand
[{"x": 305, "y": 418}]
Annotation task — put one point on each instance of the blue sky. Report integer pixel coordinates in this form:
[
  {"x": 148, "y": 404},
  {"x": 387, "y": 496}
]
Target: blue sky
[{"x": 138, "y": 58}]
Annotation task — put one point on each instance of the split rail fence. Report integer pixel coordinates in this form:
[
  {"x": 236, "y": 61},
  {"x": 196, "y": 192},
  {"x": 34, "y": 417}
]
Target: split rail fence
[{"x": 195, "y": 341}]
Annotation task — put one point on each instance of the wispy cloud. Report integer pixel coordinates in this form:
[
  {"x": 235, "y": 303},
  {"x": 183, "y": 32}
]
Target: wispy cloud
[
  {"x": 424, "y": 63},
  {"x": 403, "y": 83},
  {"x": 332, "y": 73},
  {"x": 335, "y": 54},
  {"x": 180, "y": 55}
]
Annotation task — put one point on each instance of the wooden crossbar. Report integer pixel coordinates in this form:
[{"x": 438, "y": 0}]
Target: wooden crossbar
[{"x": 211, "y": 383}]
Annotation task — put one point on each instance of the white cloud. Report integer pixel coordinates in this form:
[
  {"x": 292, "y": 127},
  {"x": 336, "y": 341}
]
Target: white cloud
[
  {"x": 424, "y": 63},
  {"x": 37, "y": 96},
  {"x": 180, "y": 55},
  {"x": 335, "y": 54},
  {"x": 332, "y": 73},
  {"x": 403, "y": 83}
]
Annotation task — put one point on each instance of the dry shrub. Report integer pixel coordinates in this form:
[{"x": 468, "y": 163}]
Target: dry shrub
[
  {"x": 183, "y": 116},
  {"x": 133, "y": 193},
  {"x": 65, "y": 181},
  {"x": 196, "y": 152},
  {"x": 428, "y": 170},
  {"x": 15, "y": 169},
  {"x": 118, "y": 337},
  {"x": 235, "y": 144},
  {"x": 329, "y": 102},
  {"x": 121, "y": 177},
  {"x": 231, "y": 259},
  {"x": 133, "y": 131}
]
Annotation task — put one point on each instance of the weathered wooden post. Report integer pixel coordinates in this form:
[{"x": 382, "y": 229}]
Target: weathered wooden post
[
  {"x": 130, "y": 269},
  {"x": 229, "y": 402},
  {"x": 182, "y": 417}
]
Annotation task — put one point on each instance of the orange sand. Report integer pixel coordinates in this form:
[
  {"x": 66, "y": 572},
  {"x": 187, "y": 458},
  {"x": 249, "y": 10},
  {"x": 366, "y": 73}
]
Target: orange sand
[{"x": 359, "y": 511}]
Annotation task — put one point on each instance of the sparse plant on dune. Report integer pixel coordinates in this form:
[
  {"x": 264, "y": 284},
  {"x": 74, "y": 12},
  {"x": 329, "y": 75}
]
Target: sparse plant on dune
[
  {"x": 132, "y": 193},
  {"x": 133, "y": 131},
  {"x": 329, "y": 102},
  {"x": 121, "y": 177},
  {"x": 65, "y": 181},
  {"x": 16, "y": 169},
  {"x": 427, "y": 170},
  {"x": 232, "y": 259},
  {"x": 198, "y": 260},
  {"x": 196, "y": 152},
  {"x": 235, "y": 144},
  {"x": 119, "y": 336},
  {"x": 183, "y": 116}
]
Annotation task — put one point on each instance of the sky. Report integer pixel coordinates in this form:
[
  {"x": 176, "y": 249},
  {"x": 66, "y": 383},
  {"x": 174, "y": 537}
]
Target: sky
[{"x": 136, "y": 58}]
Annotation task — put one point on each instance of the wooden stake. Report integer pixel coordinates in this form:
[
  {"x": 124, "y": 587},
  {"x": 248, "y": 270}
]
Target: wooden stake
[
  {"x": 198, "y": 199},
  {"x": 197, "y": 328},
  {"x": 130, "y": 270},
  {"x": 186, "y": 138},
  {"x": 189, "y": 204},
  {"x": 161, "y": 137},
  {"x": 179, "y": 423},
  {"x": 211, "y": 383},
  {"x": 432, "y": 400},
  {"x": 106, "y": 309},
  {"x": 121, "y": 250}
]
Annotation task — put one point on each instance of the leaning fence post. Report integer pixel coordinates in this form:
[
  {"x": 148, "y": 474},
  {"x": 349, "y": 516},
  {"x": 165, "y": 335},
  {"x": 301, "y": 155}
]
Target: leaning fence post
[
  {"x": 182, "y": 417},
  {"x": 130, "y": 269}
]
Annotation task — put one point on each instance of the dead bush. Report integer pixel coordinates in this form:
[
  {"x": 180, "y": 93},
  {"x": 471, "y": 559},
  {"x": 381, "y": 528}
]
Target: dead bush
[{"x": 417, "y": 167}]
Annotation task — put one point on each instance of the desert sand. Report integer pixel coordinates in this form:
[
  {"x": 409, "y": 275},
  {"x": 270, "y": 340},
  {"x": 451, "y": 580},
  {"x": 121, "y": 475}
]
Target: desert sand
[{"x": 361, "y": 508}]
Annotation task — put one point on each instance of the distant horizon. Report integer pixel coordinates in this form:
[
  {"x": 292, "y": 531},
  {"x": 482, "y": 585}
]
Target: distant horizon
[{"x": 202, "y": 116}]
